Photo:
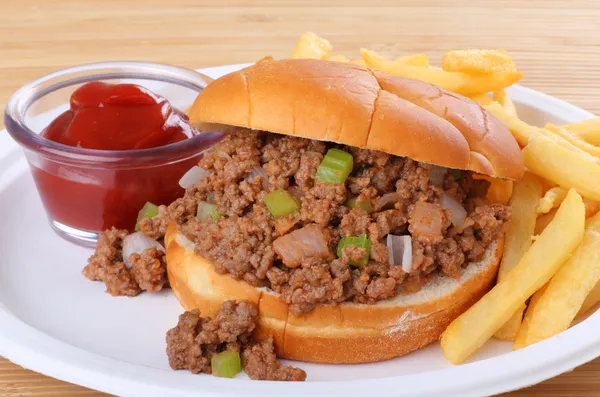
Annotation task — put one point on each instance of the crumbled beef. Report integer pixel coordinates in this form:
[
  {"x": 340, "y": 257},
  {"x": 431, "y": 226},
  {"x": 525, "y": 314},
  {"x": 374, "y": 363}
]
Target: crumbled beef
[
  {"x": 322, "y": 203},
  {"x": 240, "y": 243},
  {"x": 156, "y": 227},
  {"x": 311, "y": 284},
  {"x": 355, "y": 222},
  {"x": 147, "y": 273},
  {"x": 106, "y": 264},
  {"x": 149, "y": 269},
  {"x": 241, "y": 246},
  {"x": 119, "y": 281},
  {"x": 195, "y": 339},
  {"x": 260, "y": 363},
  {"x": 305, "y": 176}
]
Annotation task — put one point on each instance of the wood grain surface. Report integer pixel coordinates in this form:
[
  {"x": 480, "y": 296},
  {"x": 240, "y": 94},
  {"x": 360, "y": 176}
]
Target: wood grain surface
[{"x": 556, "y": 43}]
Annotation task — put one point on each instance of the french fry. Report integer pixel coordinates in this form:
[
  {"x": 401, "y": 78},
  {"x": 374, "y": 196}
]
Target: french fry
[
  {"x": 589, "y": 130},
  {"x": 504, "y": 99},
  {"x": 473, "y": 328},
  {"x": 591, "y": 207},
  {"x": 562, "y": 166},
  {"x": 521, "y": 339},
  {"x": 543, "y": 221},
  {"x": 459, "y": 82},
  {"x": 358, "y": 62},
  {"x": 500, "y": 189},
  {"x": 478, "y": 61},
  {"x": 567, "y": 290},
  {"x": 338, "y": 58},
  {"x": 421, "y": 60},
  {"x": 311, "y": 46},
  {"x": 552, "y": 199},
  {"x": 574, "y": 139},
  {"x": 522, "y": 131},
  {"x": 517, "y": 239},
  {"x": 591, "y": 300}
]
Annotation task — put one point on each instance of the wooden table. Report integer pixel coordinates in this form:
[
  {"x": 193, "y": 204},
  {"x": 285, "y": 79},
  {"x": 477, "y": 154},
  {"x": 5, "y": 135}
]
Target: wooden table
[{"x": 556, "y": 43}]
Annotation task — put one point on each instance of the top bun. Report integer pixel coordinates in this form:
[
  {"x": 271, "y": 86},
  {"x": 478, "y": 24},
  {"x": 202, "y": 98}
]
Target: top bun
[{"x": 356, "y": 106}]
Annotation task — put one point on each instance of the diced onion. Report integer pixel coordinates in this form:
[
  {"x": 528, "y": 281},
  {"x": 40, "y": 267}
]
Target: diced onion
[
  {"x": 387, "y": 200},
  {"x": 296, "y": 192},
  {"x": 437, "y": 175},
  {"x": 223, "y": 154},
  {"x": 301, "y": 244},
  {"x": 426, "y": 218},
  {"x": 400, "y": 251},
  {"x": 259, "y": 171},
  {"x": 458, "y": 211},
  {"x": 136, "y": 243},
  {"x": 193, "y": 176}
]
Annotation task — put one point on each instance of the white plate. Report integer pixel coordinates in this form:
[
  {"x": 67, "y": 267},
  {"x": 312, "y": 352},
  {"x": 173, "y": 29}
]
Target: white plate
[{"x": 54, "y": 321}]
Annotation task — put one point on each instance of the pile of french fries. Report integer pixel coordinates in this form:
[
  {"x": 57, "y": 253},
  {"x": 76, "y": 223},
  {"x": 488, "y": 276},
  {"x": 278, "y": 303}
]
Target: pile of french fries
[{"x": 550, "y": 270}]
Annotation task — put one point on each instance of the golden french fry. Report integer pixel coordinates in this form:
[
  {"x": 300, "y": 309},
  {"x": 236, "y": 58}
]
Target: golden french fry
[
  {"x": 562, "y": 166},
  {"x": 504, "y": 99},
  {"x": 421, "y": 60},
  {"x": 522, "y": 131},
  {"x": 591, "y": 299},
  {"x": 567, "y": 290},
  {"x": 521, "y": 339},
  {"x": 574, "y": 139},
  {"x": 311, "y": 46},
  {"x": 500, "y": 189},
  {"x": 358, "y": 62},
  {"x": 517, "y": 239},
  {"x": 543, "y": 221},
  {"x": 552, "y": 199},
  {"x": 478, "y": 61},
  {"x": 591, "y": 207},
  {"x": 338, "y": 58},
  {"x": 459, "y": 82},
  {"x": 473, "y": 328},
  {"x": 589, "y": 130}
]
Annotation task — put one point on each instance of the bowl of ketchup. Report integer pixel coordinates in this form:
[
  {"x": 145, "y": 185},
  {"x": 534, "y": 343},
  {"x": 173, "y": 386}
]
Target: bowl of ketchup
[{"x": 103, "y": 139}]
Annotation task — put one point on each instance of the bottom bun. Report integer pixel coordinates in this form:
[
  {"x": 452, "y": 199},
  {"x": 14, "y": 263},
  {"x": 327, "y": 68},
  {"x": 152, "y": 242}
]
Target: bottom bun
[{"x": 347, "y": 333}]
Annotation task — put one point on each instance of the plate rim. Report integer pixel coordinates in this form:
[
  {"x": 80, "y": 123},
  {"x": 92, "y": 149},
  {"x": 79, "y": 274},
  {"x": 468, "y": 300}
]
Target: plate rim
[{"x": 35, "y": 350}]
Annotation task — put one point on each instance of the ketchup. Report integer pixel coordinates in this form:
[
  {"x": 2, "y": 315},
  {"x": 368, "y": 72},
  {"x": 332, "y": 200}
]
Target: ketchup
[
  {"x": 115, "y": 117},
  {"x": 118, "y": 117}
]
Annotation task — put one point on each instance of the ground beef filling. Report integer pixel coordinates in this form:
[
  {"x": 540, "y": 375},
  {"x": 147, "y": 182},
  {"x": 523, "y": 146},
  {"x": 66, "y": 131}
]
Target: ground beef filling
[
  {"x": 195, "y": 340},
  {"x": 248, "y": 164},
  {"x": 148, "y": 270}
]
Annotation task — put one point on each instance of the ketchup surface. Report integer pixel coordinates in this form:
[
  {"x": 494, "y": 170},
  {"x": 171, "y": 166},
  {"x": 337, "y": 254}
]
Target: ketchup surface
[
  {"x": 118, "y": 117},
  {"x": 112, "y": 117}
]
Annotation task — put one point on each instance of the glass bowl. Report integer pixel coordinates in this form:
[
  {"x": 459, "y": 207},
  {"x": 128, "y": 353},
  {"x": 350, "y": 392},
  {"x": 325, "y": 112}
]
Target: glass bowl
[{"x": 86, "y": 191}]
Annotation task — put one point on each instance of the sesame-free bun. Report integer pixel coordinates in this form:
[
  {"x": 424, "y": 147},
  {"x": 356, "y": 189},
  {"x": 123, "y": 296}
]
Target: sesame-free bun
[
  {"x": 341, "y": 334},
  {"x": 353, "y": 105}
]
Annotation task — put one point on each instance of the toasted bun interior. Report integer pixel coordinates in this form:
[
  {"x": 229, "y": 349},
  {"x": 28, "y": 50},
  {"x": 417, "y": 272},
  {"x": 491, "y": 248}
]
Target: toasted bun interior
[
  {"x": 350, "y": 104},
  {"x": 341, "y": 334}
]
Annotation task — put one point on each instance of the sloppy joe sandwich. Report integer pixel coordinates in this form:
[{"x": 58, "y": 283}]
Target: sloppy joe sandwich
[{"x": 345, "y": 204}]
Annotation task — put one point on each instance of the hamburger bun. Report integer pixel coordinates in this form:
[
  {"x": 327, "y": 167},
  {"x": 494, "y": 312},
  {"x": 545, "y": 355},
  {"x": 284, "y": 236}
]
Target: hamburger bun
[
  {"x": 339, "y": 334},
  {"x": 353, "y": 105}
]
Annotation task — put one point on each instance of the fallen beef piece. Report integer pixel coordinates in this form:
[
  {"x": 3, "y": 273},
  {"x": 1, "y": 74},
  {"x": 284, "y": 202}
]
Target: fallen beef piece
[
  {"x": 148, "y": 271},
  {"x": 193, "y": 342},
  {"x": 156, "y": 227},
  {"x": 260, "y": 363},
  {"x": 106, "y": 264}
]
